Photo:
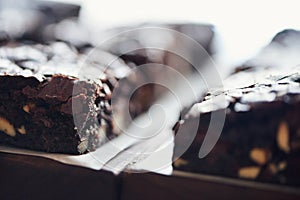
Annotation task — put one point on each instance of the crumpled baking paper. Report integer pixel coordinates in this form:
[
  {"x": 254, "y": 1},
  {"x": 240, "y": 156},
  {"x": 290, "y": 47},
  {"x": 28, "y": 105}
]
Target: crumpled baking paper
[{"x": 122, "y": 153}]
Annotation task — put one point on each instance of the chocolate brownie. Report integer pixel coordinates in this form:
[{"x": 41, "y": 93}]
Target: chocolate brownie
[
  {"x": 36, "y": 20},
  {"x": 260, "y": 139},
  {"x": 45, "y": 107}
]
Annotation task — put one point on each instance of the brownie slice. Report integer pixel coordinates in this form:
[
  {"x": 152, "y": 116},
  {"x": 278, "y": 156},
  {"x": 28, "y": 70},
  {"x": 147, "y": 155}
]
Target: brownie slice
[
  {"x": 44, "y": 107},
  {"x": 260, "y": 139}
]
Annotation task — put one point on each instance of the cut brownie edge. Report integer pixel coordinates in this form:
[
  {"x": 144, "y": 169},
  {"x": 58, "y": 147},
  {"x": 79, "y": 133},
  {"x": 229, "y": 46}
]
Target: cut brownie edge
[{"x": 58, "y": 114}]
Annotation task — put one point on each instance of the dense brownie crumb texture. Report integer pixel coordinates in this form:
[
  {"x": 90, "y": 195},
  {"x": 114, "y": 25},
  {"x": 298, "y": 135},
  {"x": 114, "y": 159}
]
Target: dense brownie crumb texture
[
  {"x": 261, "y": 135},
  {"x": 45, "y": 107}
]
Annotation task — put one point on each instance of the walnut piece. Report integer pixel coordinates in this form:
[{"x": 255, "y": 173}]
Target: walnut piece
[
  {"x": 7, "y": 127},
  {"x": 283, "y": 137},
  {"x": 282, "y": 165},
  {"x": 28, "y": 107},
  {"x": 260, "y": 155},
  {"x": 22, "y": 130},
  {"x": 180, "y": 162},
  {"x": 82, "y": 147},
  {"x": 250, "y": 172},
  {"x": 275, "y": 168}
]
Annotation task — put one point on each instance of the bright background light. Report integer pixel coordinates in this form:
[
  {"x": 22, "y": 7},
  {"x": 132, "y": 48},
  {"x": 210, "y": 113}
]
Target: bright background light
[{"x": 244, "y": 26}]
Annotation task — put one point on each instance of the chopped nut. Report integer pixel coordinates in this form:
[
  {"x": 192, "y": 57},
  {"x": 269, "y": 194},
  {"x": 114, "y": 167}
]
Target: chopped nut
[
  {"x": 273, "y": 168},
  {"x": 7, "y": 127},
  {"x": 180, "y": 162},
  {"x": 282, "y": 165},
  {"x": 22, "y": 130},
  {"x": 28, "y": 107},
  {"x": 249, "y": 172},
  {"x": 260, "y": 155},
  {"x": 106, "y": 89},
  {"x": 283, "y": 137},
  {"x": 82, "y": 147}
]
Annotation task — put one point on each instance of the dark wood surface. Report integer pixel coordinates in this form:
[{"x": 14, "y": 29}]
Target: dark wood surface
[
  {"x": 30, "y": 177},
  {"x": 190, "y": 186}
]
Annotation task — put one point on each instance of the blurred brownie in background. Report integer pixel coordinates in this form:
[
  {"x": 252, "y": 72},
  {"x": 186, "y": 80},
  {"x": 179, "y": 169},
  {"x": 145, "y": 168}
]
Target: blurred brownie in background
[
  {"x": 35, "y": 20},
  {"x": 260, "y": 139},
  {"x": 155, "y": 48}
]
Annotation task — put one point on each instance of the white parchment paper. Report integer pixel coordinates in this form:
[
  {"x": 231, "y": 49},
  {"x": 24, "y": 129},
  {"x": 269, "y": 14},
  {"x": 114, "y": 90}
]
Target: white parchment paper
[{"x": 119, "y": 154}]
